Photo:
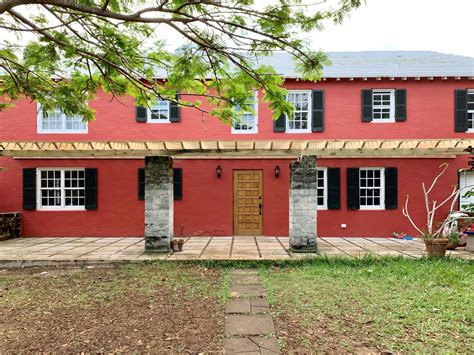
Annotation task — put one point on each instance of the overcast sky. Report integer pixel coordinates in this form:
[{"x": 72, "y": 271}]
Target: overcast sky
[{"x": 439, "y": 25}]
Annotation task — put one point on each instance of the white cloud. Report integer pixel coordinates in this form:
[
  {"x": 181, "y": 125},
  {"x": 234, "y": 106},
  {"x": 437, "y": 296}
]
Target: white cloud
[{"x": 438, "y": 25}]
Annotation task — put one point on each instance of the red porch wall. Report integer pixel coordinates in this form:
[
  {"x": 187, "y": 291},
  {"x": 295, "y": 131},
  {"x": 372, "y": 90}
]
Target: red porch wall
[{"x": 206, "y": 207}]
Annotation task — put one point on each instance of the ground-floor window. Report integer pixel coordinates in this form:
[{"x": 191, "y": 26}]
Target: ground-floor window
[
  {"x": 322, "y": 188},
  {"x": 61, "y": 188},
  {"x": 371, "y": 188}
]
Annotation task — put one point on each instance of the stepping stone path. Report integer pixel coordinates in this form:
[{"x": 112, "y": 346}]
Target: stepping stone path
[{"x": 249, "y": 328}]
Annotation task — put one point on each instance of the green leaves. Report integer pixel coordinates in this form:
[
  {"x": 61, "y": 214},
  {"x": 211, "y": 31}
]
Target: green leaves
[{"x": 76, "y": 48}]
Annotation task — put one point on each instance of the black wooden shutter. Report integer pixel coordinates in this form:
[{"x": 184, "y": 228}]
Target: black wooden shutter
[
  {"x": 279, "y": 125},
  {"x": 140, "y": 113},
  {"x": 29, "y": 189},
  {"x": 391, "y": 188},
  {"x": 353, "y": 202},
  {"x": 366, "y": 105},
  {"x": 141, "y": 183},
  {"x": 460, "y": 110},
  {"x": 175, "y": 111},
  {"x": 178, "y": 183},
  {"x": 91, "y": 188},
  {"x": 400, "y": 105},
  {"x": 318, "y": 111},
  {"x": 334, "y": 188}
]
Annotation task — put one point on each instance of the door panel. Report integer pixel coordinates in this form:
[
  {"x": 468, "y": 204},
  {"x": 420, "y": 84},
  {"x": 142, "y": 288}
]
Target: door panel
[{"x": 248, "y": 202}]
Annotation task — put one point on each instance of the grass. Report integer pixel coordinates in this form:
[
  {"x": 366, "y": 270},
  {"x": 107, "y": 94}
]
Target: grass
[{"x": 393, "y": 304}]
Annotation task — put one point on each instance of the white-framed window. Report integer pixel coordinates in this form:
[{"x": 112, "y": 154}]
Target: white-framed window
[
  {"x": 383, "y": 105},
  {"x": 248, "y": 122},
  {"x": 470, "y": 110},
  {"x": 61, "y": 189},
  {"x": 159, "y": 112},
  {"x": 300, "y": 122},
  {"x": 58, "y": 122},
  {"x": 371, "y": 188},
  {"x": 322, "y": 188}
]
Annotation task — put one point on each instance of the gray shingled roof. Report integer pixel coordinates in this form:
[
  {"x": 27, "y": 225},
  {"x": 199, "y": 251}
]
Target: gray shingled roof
[{"x": 382, "y": 64}]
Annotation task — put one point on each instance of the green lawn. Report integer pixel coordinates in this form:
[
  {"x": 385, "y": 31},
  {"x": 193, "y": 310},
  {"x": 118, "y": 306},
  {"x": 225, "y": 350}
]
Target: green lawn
[{"x": 374, "y": 305}]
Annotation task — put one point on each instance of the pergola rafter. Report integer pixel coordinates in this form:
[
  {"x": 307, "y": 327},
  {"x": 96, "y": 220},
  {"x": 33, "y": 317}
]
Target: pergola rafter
[{"x": 239, "y": 148}]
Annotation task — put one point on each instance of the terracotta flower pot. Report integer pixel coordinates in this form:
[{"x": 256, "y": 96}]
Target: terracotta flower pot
[{"x": 436, "y": 247}]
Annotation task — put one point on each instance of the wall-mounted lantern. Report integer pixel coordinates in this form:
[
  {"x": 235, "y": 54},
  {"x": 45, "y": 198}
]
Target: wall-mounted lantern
[
  {"x": 277, "y": 171},
  {"x": 219, "y": 171}
]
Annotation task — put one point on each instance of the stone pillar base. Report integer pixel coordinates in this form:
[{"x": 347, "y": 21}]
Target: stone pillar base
[
  {"x": 157, "y": 244},
  {"x": 303, "y": 205}
]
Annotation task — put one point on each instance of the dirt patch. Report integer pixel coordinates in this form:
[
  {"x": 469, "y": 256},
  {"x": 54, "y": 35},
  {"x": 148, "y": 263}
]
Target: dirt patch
[
  {"x": 158, "y": 307},
  {"x": 297, "y": 336}
]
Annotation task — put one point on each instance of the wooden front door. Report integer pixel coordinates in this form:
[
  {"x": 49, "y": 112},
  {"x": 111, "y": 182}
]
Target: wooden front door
[{"x": 248, "y": 202}]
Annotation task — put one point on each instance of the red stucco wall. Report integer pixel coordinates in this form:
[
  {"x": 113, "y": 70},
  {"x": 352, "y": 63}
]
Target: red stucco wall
[
  {"x": 430, "y": 110},
  {"x": 206, "y": 207}
]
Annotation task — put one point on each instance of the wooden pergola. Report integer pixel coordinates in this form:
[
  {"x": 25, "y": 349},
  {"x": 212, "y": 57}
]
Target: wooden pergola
[{"x": 240, "y": 148}]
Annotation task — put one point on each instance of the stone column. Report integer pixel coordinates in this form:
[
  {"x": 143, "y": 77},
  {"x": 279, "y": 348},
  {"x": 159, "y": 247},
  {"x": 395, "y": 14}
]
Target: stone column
[
  {"x": 158, "y": 204},
  {"x": 303, "y": 204}
]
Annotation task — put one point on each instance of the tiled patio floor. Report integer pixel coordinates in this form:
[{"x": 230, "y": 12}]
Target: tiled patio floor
[{"x": 35, "y": 250}]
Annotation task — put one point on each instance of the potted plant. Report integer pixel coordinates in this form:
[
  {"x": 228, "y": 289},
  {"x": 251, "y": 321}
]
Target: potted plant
[{"x": 436, "y": 239}]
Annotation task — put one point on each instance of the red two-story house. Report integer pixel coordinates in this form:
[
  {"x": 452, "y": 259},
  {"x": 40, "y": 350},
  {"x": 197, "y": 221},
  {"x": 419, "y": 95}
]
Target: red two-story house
[{"x": 363, "y": 96}]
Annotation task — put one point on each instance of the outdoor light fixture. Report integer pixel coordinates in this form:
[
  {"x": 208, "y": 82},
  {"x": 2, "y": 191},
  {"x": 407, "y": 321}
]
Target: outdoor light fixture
[
  {"x": 219, "y": 171},
  {"x": 277, "y": 171}
]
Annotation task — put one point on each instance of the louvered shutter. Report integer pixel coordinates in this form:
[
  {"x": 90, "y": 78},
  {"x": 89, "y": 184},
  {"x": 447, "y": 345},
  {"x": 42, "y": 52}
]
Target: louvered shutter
[
  {"x": 178, "y": 183},
  {"x": 391, "y": 188},
  {"x": 460, "y": 110},
  {"x": 91, "y": 188},
  {"x": 334, "y": 188},
  {"x": 366, "y": 105},
  {"x": 29, "y": 189},
  {"x": 279, "y": 125},
  {"x": 141, "y": 184},
  {"x": 353, "y": 202},
  {"x": 175, "y": 111},
  {"x": 400, "y": 105},
  {"x": 140, "y": 113},
  {"x": 317, "y": 124}
]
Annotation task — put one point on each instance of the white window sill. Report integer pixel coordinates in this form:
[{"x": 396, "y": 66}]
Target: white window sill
[
  {"x": 157, "y": 121},
  {"x": 371, "y": 208},
  {"x": 244, "y": 132},
  {"x": 292, "y": 131},
  {"x": 60, "y": 209},
  {"x": 383, "y": 121},
  {"x": 62, "y": 132},
  {"x": 470, "y": 130},
  {"x": 321, "y": 208}
]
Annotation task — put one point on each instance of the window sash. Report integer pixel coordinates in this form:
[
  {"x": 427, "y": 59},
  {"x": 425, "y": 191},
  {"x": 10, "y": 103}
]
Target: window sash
[
  {"x": 248, "y": 122},
  {"x": 383, "y": 105},
  {"x": 322, "y": 188},
  {"x": 58, "y": 122},
  {"x": 371, "y": 188},
  {"x": 159, "y": 112},
  {"x": 470, "y": 110},
  {"x": 64, "y": 185},
  {"x": 302, "y": 114}
]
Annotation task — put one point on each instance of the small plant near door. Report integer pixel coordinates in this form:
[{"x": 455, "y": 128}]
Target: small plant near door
[{"x": 436, "y": 238}]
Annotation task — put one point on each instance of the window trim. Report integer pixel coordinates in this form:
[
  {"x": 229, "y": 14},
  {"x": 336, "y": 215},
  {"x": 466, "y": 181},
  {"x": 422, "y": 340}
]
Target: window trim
[
  {"x": 255, "y": 128},
  {"x": 380, "y": 207},
  {"x": 392, "y": 106},
  {"x": 40, "y": 207},
  {"x": 40, "y": 130},
  {"x": 470, "y": 130},
  {"x": 325, "y": 179},
  {"x": 310, "y": 112},
  {"x": 149, "y": 114}
]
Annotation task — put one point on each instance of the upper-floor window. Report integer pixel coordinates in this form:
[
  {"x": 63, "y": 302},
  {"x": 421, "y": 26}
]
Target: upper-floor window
[
  {"x": 248, "y": 121},
  {"x": 300, "y": 122},
  {"x": 159, "y": 112},
  {"x": 58, "y": 122},
  {"x": 470, "y": 110},
  {"x": 61, "y": 189},
  {"x": 371, "y": 188},
  {"x": 383, "y": 105}
]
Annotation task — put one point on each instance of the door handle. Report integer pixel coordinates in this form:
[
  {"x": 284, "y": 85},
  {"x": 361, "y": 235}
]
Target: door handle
[{"x": 260, "y": 209}]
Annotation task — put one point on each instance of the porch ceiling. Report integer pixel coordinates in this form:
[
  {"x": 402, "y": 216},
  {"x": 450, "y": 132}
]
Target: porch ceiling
[{"x": 239, "y": 148}]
